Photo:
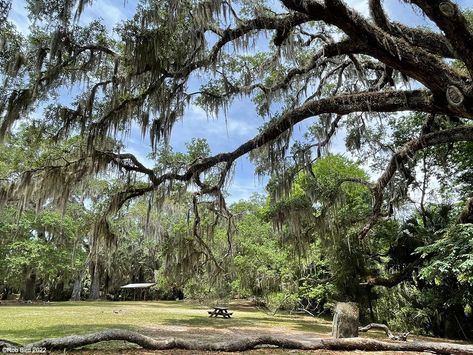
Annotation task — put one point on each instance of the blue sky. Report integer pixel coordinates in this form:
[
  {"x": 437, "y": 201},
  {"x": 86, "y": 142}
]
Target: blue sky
[{"x": 242, "y": 122}]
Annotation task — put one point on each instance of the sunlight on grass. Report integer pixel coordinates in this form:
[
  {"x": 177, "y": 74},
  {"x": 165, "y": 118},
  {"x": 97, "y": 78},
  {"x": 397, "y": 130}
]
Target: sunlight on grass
[{"x": 28, "y": 323}]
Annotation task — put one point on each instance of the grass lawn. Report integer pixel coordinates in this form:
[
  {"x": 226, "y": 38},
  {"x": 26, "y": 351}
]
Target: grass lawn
[{"x": 25, "y": 323}]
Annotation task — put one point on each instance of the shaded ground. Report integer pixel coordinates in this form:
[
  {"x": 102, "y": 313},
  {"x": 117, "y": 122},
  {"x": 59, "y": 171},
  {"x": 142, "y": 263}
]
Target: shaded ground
[
  {"x": 246, "y": 321},
  {"x": 26, "y": 323}
]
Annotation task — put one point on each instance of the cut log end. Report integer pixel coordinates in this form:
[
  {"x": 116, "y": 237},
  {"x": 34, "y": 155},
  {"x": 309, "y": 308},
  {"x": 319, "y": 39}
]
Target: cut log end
[
  {"x": 447, "y": 9},
  {"x": 345, "y": 320},
  {"x": 454, "y": 96}
]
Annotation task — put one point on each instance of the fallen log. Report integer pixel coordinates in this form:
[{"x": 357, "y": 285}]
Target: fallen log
[
  {"x": 146, "y": 342},
  {"x": 8, "y": 344},
  {"x": 383, "y": 327}
]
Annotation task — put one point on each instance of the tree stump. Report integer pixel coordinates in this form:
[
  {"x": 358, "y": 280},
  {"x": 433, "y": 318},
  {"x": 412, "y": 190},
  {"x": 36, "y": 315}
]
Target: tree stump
[{"x": 345, "y": 320}]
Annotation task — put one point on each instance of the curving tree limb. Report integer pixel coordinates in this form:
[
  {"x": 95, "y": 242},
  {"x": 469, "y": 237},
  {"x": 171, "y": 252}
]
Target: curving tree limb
[
  {"x": 146, "y": 342},
  {"x": 392, "y": 49},
  {"x": 448, "y": 17},
  {"x": 430, "y": 41},
  {"x": 384, "y": 327},
  {"x": 415, "y": 100},
  {"x": 392, "y": 280},
  {"x": 458, "y": 134}
]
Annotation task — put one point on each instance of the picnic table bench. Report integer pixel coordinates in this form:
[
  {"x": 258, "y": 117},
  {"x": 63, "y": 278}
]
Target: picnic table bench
[{"x": 220, "y": 311}]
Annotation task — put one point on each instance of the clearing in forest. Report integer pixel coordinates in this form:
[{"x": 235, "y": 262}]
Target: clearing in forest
[{"x": 25, "y": 323}]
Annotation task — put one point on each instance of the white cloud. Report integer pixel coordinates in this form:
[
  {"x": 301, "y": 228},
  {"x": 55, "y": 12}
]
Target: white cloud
[
  {"x": 221, "y": 133},
  {"x": 242, "y": 189},
  {"x": 244, "y": 182},
  {"x": 197, "y": 113},
  {"x": 19, "y": 16},
  {"x": 359, "y": 5},
  {"x": 112, "y": 12},
  {"x": 238, "y": 192}
]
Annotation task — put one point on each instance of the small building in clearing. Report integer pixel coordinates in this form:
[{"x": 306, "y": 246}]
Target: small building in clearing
[{"x": 142, "y": 287}]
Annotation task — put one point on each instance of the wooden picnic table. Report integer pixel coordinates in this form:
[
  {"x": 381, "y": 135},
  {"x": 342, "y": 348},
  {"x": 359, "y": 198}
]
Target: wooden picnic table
[{"x": 220, "y": 311}]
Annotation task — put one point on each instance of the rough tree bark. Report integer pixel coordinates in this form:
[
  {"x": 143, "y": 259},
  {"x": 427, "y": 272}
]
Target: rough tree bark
[
  {"x": 467, "y": 213},
  {"x": 345, "y": 320},
  {"x": 5, "y": 292},
  {"x": 75, "y": 341},
  {"x": 394, "y": 279},
  {"x": 76, "y": 290},
  {"x": 57, "y": 292},
  {"x": 29, "y": 292},
  {"x": 94, "y": 282}
]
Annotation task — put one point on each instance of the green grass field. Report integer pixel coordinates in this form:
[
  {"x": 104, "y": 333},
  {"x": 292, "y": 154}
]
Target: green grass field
[{"x": 26, "y": 323}]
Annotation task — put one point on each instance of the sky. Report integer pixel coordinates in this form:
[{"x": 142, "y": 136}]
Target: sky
[{"x": 241, "y": 122}]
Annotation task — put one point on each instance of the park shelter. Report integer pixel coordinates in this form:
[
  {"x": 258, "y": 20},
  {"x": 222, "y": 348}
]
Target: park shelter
[{"x": 143, "y": 287}]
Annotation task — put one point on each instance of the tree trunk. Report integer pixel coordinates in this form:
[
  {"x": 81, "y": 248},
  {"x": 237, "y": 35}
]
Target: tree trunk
[
  {"x": 467, "y": 213},
  {"x": 6, "y": 291},
  {"x": 345, "y": 320},
  {"x": 94, "y": 282},
  {"x": 107, "y": 282},
  {"x": 30, "y": 286},
  {"x": 77, "y": 288},
  {"x": 75, "y": 341},
  {"x": 57, "y": 292}
]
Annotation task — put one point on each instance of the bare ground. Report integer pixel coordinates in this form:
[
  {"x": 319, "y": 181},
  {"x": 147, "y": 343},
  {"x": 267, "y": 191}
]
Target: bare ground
[{"x": 235, "y": 332}]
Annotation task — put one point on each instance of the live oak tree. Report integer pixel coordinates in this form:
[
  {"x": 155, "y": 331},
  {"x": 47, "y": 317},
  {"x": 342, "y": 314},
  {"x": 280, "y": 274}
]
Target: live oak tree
[{"x": 321, "y": 59}]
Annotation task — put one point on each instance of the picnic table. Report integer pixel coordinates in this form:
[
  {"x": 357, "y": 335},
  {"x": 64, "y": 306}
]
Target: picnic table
[{"x": 220, "y": 311}]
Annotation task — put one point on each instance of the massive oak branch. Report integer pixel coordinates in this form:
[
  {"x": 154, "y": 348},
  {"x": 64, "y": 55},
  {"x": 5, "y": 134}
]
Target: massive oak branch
[
  {"x": 76, "y": 341},
  {"x": 415, "y": 100}
]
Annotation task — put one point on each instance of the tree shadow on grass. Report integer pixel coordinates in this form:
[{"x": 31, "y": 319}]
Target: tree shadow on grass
[
  {"x": 104, "y": 303},
  {"x": 196, "y": 328},
  {"x": 263, "y": 322},
  {"x": 179, "y": 320},
  {"x": 58, "y": 331}
]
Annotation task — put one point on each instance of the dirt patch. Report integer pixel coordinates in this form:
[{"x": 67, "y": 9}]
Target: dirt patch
[{"x": 212, "y": 334}]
